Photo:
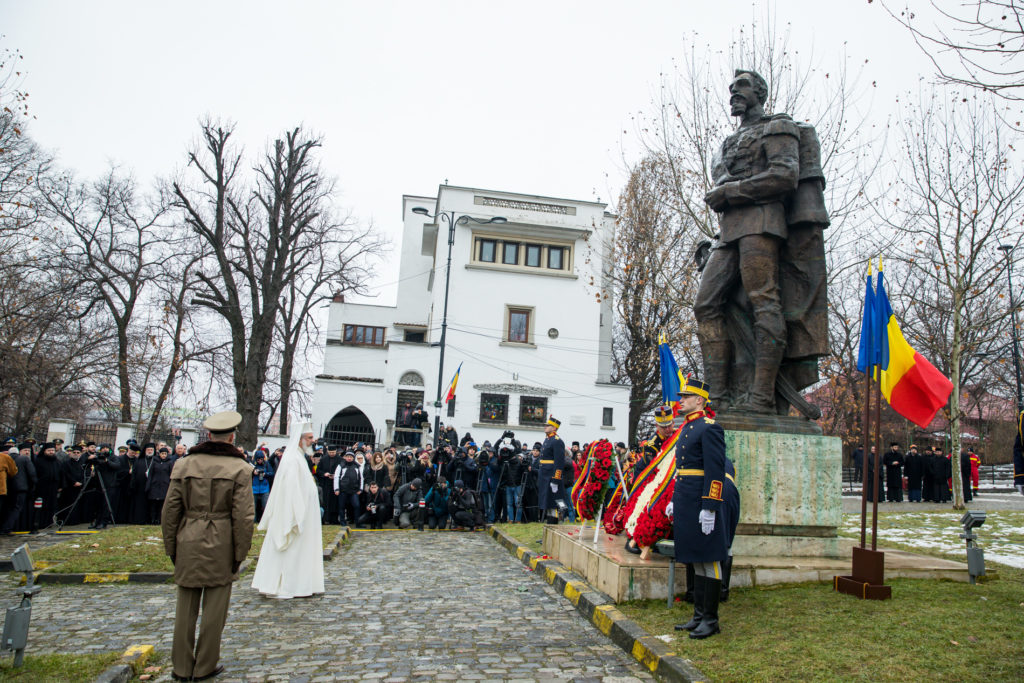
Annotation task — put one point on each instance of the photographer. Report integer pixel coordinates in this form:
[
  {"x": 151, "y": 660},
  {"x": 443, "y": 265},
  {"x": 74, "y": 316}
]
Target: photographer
[
  {"x": 404, "y": 463},
  {"x": 262, "y": 476},
  {"x": 464, "y": 466},
  {"x": 73, "y": 478},
  {"x": 437, "y": 505},
  {"x": 487, "y": 468},
  {"x": 408, "y": 509},
  {"x": 376, "y": 508},
  {"x": 465, "y": 508},
  {"x": 106, "y": 468},
  {"x": 512, "y": 469},
  {"x": 347, "y": 485}
]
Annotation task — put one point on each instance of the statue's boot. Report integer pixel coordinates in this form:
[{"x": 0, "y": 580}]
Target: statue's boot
[
  {"x": 761, "y": 398},
  {"x": 717, "y": 359}
]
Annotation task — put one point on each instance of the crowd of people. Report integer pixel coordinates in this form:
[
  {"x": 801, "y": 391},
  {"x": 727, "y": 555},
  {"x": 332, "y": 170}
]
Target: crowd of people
[
  {"x": 45, "y": 484},
  {"x": 925, "y": 474}
]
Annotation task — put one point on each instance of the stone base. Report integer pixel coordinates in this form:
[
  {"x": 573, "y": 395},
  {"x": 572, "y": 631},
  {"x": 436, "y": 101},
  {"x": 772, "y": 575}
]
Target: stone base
[
  {"x": 623, "y": 576},
  {"x": 790, "y": 491}
]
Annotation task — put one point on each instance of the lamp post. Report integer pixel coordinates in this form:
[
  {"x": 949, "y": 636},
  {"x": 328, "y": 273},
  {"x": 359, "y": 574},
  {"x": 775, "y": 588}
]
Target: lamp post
[
  {"x": 448, "y": 216},
  {"x": 1006, "y": 249}
]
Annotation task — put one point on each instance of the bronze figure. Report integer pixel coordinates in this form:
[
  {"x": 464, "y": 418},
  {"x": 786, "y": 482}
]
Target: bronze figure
[{"x": 761, "y": 305}]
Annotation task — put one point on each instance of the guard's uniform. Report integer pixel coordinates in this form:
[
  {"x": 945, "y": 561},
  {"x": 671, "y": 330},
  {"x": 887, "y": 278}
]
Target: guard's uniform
[
  {"x": 730, "y": 512},
  {"x": 552, "y": 460},
  {"x": 701, "y": 485}
]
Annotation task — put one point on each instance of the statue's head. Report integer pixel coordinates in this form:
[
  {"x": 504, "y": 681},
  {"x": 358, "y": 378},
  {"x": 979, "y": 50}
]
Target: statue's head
[{"x": 747, "y": 90}]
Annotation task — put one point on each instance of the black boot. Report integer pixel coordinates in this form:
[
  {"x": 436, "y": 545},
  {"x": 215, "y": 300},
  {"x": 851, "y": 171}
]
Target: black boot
[
  {"x": 726, "y": 575},
  {"x": 709, "y": 621},
  {"x": 699, "y": 587},
  {"x": 688, "y": 595}
]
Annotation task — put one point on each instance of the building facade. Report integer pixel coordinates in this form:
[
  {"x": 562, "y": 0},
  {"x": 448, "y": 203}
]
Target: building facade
[{"x": 529, "y": 322}]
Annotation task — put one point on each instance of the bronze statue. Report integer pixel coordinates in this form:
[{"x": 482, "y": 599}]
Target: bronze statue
[{"x": 761, "y": 305}]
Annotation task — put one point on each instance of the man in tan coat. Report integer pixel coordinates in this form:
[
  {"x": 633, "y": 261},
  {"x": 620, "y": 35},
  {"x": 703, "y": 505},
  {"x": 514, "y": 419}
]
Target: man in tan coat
[{"x": 207, "y": 527}]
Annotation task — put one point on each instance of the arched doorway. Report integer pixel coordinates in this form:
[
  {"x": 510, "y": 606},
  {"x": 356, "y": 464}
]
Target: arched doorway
[{"x": 349, "y": 426}]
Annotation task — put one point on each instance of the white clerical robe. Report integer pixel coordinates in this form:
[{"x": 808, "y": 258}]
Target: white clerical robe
[{"x": 291, "y": 560}]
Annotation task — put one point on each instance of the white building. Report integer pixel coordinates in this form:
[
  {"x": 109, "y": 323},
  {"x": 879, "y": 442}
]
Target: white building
[{"x": 529, "y": 320}]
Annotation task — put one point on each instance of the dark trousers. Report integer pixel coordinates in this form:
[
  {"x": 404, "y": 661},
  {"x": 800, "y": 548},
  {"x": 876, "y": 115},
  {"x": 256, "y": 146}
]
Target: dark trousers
[
  {"x": 331, "y": 505},
  {"x": 260, "y": 500},
  {"x": 464, "y": 518},
  {"x": 103, "y": 516},
  {"x": 155, "y": 508},
  {"x": 15, "y": 507},
  {"x": 435, "y": 521},
  {"x": 348, "y": 507},
  {"x": 374, "y": 519}
]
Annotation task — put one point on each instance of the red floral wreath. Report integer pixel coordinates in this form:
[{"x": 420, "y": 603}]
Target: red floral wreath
[
  {"x": 589, "y": 491},
  {"x": 652, "y": 525}
]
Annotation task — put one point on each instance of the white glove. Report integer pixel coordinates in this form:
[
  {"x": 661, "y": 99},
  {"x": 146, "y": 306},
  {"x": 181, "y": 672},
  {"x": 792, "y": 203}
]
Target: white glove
[
  {"x": 707, "y": 521},
  {"x": 1020, "y": 487},
  {"x": 668, "y": 509},
  {"x": 554, "y": 488}
]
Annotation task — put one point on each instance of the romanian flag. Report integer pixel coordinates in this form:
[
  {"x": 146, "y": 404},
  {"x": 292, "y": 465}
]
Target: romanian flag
[
  {"x": 868, "y": 353},
  {"x": 671, "y": 377},
  {"x": 451, "y": 387},
  {"x": 911, "y": 385}
]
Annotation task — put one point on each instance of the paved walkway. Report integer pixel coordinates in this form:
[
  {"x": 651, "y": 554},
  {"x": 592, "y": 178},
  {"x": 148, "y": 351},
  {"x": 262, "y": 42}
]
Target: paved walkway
[{"x": 399, "y": 606}]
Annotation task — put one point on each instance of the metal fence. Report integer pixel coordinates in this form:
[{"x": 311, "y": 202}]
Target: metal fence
[
  {"x": 991, "y": 475},
  {"x": 97, "y": 433}
]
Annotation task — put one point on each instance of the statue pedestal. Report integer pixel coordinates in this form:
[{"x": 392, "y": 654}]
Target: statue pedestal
[{"x": 790, "y": 481}]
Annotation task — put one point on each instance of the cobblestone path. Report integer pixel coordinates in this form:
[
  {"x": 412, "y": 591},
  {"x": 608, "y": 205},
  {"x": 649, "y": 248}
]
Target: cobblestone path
[{"x": 399, "y": 606}]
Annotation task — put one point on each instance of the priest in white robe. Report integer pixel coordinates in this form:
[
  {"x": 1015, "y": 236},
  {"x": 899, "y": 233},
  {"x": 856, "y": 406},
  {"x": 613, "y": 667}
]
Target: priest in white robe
[{"x": 291, "y": 561}]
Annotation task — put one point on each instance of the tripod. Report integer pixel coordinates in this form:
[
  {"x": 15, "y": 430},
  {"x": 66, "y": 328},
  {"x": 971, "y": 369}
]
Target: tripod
[{"x": 90, "y": 474}]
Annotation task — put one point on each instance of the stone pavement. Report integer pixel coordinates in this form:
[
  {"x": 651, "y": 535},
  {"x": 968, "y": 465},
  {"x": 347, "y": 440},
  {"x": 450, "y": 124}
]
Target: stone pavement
[{"x": 399, "y": 606}]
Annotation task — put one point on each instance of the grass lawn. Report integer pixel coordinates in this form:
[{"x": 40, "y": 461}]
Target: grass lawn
[
  {"x": 930, "y": 630},
  {"x": 54, "y": 668},
  {"x": 126, "y": 548}
]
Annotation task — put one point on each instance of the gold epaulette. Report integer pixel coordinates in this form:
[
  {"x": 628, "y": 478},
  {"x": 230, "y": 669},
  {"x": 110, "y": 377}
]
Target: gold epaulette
[{"x": 709, "y": 420}]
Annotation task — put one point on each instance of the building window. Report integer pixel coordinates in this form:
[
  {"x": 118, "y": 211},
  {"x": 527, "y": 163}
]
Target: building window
[
  {"x": 364, "y": 335},
  {"x": 510, "y": 253},
  {"x": 533, "y": 410},
  {"x": 487, "y": 251},
  {"x": 533, "y": 255},
  {"x": 606, "y": 417},
  {"x": 518, "y": 325},
  {"x": 417, "y": 337},
  {"x": 451, "y": 407},
  {"x": 556, "y": 257},
  {"x": 494, "y": 408}
]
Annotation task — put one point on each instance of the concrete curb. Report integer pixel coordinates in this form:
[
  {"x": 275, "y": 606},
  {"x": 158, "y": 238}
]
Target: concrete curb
[
  {"x": 131, "y": 663},
  {"x": 116, "y": 577},
  {"x": 332, "y": 548},
  {"x": 600, "y": 610}
]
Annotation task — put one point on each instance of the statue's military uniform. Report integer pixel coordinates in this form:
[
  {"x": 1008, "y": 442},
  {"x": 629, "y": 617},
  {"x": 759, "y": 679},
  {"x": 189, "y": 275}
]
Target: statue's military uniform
[
  {"x": 701, "y": 485},
  {"x": 757, "y": 169},
  {"x": 552, "y": 460}
]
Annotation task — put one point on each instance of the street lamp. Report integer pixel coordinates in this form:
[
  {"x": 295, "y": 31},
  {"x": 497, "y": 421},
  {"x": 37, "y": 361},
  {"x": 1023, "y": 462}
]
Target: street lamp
[
  {"x": 452, "y": 222},
  {"x": 1006, "y": 249}
]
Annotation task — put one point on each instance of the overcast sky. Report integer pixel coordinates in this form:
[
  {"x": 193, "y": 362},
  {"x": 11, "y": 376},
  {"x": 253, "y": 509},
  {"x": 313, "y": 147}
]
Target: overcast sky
[{"x": 522, "y": 96}]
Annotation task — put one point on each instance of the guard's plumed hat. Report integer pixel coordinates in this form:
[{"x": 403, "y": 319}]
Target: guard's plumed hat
[
  {"x": 553, "y": 422},
  {"x": 223, "y": 423},
  {"x": 663, "y": 415},
  {"x": 695, "y": 387}
]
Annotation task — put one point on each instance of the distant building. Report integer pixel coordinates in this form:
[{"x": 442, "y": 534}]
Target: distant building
[{"x": 529, "y": 320}]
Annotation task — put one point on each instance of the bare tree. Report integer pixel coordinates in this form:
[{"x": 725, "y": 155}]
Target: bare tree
[
  {"x": 260, "y": 238},
  {"x": 978, "y": 43},
  {"x": 115, "y": 239},
  {"x": 953, "y": 198}
]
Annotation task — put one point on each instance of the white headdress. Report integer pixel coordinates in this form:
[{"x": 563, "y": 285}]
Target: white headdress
[{"x": 286, "y": 509}]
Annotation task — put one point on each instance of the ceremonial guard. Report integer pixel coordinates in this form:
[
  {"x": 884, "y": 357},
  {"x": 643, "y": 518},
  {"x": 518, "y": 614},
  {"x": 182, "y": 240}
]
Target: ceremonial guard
[
  {"x": 207, "y": 529},
  {"x": 1018, "y": 455},
  {"x": 703, "y": 519},
  {"x": 549, "y": 477}
]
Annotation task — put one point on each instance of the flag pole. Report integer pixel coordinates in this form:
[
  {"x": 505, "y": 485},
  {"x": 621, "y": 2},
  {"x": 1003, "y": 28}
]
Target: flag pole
[
  {"x": 866, "y": 424},
  {"x": 877, "y": 459}
]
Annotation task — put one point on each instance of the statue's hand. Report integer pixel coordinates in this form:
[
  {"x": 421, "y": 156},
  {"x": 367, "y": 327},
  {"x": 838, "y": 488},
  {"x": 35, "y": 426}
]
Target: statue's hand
[{"x": 716, "y": 199}]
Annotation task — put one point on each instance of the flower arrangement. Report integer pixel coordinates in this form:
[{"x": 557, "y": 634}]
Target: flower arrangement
[
  {"x": 589, "y": 491},
  {"x": 652, "y": 525}
]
